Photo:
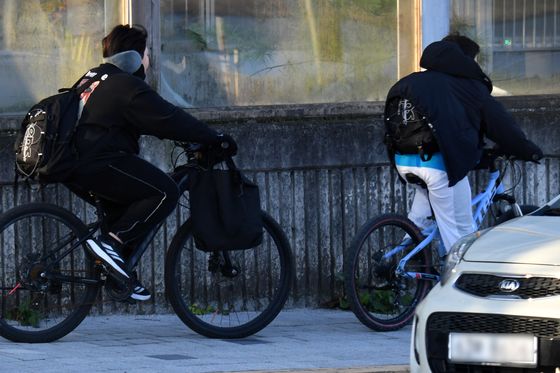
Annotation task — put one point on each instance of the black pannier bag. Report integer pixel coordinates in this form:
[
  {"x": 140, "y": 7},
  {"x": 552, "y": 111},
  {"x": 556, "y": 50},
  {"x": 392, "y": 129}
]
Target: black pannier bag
[
  {"x": 43, "y": 147},
  {"x": 408, "y": 131},
  {"x": 225, "y": 209}
]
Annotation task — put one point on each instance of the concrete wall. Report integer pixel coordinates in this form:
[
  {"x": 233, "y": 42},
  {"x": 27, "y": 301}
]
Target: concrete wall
[{"x": 323, "y": 172}]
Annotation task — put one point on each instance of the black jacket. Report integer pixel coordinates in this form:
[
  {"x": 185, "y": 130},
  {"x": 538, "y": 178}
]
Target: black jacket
[
  {"x": 454, "y": 94},
  {"x": 122, "y": 108}
]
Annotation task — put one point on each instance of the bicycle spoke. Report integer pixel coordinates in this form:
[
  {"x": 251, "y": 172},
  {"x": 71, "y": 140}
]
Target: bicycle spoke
[
  {"x": 230, "y": 294},
  {"x": 380, "y": 296},
  {"x": 48, "y": 283}
]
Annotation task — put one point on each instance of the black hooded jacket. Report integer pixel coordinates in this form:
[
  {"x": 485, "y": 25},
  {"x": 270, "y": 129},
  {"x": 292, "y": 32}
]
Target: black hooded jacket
[
  {"x": 454, "y": 94},
  {"x": 122, "y": 108}
]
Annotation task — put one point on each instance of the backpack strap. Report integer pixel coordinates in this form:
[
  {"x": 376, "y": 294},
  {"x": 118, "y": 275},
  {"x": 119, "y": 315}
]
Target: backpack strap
[
  {"x": 424, "y": 156},
  {"x": 89, "y": 81},
  {"x": 80, "y": 89},
  {"x": 86, "y": 85},
  {"x": 16, "y": 185}
]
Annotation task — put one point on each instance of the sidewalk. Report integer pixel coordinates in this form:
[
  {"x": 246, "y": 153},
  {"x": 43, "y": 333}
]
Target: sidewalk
[{"x": 305, "y": 339}]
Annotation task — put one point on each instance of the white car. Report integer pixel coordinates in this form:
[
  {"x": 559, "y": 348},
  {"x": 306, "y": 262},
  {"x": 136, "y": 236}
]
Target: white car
[{"x": 497, "y": 307}]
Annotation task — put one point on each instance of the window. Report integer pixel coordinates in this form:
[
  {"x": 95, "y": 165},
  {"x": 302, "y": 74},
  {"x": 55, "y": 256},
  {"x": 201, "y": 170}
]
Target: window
[
  {"x": 252, "y": 52},
  {"x": 48, "y": 44},
  {"x": 519, "y": 39}
]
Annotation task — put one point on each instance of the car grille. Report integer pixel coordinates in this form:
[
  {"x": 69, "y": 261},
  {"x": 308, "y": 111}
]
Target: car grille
[
  {"x": 484, "y": 285},
  {"x": 441, "y": 324}
]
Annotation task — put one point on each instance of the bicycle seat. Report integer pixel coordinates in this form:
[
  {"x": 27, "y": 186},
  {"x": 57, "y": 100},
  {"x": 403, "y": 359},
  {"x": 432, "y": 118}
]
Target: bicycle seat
[{"x": 414, "y": 179}]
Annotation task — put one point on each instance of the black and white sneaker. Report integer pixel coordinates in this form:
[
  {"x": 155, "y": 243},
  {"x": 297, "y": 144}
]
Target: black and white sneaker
[
  {"x": 140, "y": 292},
  {"x": 105, "y": 248}
]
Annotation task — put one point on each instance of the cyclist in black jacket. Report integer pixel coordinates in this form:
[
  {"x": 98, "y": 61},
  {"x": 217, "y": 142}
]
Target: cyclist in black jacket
[
  {"x": 454, "y": 96},
  {"x": 117, "y": 109}
]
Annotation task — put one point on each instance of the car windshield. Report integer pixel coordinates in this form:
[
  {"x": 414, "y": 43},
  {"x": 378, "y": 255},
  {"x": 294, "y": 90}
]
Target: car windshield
[{"x": 551, "y": 208}]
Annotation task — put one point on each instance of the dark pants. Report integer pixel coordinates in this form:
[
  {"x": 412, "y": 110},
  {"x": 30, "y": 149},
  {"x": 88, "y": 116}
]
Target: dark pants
[{"x": 135, "y": 195}]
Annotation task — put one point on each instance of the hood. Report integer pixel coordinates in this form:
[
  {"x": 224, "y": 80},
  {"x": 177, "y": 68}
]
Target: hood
[
  {"x": 526, "y": 240},
  {"x": 448, "y": 58},
  {"x": 128, "y": 61}
]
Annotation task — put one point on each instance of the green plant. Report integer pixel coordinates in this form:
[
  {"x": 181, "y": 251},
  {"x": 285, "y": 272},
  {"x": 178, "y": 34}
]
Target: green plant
[
  {"x": 343, "y": 303},
  {"x": 383, "y": 301},
  {"x": 25, "y": 315},
  {"x": 197, "y": 310}
]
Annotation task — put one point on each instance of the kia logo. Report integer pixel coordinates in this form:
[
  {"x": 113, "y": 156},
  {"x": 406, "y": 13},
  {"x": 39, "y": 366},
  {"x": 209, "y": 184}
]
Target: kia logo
[{"x": 509, "y": 285}]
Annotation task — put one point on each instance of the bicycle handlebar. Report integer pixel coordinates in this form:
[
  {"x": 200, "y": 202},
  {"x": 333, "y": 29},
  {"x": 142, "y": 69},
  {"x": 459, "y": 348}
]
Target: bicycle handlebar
[
  {"x": 490, "y": 155},
  {"x": 205, "y": 156},
  {"x": 193, "y": 147}
]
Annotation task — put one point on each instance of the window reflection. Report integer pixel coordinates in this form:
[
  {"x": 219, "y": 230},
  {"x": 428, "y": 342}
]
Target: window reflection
[
  {"x": 48, "y": 44},
  {"x": 520, "y": 42},
  {"x": 251, "y": 52}
]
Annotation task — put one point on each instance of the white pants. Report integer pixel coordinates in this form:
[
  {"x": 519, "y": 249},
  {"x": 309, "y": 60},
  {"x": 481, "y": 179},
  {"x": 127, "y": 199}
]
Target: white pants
[{"x": 451, "y": 205}]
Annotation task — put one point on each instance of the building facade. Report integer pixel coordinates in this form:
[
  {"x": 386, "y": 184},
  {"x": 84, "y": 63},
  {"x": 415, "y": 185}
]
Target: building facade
[{"x": 215, "y": 53}]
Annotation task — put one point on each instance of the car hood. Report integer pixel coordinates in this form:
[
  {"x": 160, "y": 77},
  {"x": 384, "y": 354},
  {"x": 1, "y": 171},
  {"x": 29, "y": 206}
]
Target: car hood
[{"x": 526, "y": 240}]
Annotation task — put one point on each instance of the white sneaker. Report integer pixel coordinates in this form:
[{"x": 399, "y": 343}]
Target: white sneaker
[
  {"x": 109, "y": 255},
  {"x": 140, "y": 292}
]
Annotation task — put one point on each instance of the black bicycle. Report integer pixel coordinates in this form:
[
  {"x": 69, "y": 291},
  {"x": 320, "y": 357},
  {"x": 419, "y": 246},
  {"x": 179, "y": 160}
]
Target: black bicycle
[{"x": 49, "y": 282}]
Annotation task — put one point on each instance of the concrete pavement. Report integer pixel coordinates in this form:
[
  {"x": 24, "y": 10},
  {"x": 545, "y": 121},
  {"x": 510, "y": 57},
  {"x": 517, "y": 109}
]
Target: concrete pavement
[{"x": 298, "y": 340}]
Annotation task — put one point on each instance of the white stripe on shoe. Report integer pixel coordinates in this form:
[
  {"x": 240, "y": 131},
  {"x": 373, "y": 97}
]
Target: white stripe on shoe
[
  {"x": 140, "y": 297},
  {"x": 112, "y": 252},
  {"x": 106, "y": 258},
  {"x": 136, "y": 296}
]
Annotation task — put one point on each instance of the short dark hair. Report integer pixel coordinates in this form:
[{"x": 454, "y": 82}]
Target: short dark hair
[
  {"x": 124, "y": 38},
  {"x": 467, "y": 45}
]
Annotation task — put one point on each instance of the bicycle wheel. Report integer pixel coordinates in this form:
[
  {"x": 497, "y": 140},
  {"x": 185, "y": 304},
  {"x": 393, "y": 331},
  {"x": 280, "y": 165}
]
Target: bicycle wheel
[
  {"x": 219, "y": 300},
  {"x": 45, "y": 291},
  {"x": 379, "y": 298}
]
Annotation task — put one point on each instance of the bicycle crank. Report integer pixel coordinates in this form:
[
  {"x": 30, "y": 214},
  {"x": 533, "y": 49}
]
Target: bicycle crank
[{"x": 119, "y": 290}]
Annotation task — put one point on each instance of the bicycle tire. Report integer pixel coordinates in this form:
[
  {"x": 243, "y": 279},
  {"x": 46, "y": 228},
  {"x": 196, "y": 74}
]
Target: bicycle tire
[
  {"x": 34, "y": 309},
  {"x": 210, "y": 303},
  {"x": 372, "y": 288},
  {"x": 508, "y": 215}
]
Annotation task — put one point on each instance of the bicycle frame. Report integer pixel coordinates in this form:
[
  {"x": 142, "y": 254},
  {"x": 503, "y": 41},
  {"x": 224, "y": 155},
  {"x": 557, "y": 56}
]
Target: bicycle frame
[
  {"x": 180, "y": 177},
  {"x": 92, "y": 228},
  {"x": 481, "y": 204},
  {"x": 484, "y": 199}
]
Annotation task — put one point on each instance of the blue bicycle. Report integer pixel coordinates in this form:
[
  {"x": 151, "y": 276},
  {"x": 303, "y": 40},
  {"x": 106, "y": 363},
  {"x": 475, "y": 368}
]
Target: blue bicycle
[{"x": 390, "y": 266}]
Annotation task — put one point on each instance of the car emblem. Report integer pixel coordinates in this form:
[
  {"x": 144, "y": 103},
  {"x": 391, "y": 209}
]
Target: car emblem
[{"x": 509, "y": 285}]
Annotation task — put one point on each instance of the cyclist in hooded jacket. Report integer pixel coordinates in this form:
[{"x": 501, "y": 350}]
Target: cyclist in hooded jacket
[
  {"x": 116, "y": 109},
  {"x": 454, "y": 95}
]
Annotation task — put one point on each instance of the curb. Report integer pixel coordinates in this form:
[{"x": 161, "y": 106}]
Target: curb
[{"x": 372, "y": 369}]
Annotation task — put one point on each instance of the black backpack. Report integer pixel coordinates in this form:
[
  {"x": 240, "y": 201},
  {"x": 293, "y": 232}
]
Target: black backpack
[
  {"x": 408, "y": 131},
  {"x": 44, "y": 147}
]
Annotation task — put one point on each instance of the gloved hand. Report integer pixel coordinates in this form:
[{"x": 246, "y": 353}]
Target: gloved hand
[
  {"x": 226, "y": 144},
  {"x": 533, "y": 153},
  {"x": 537, "y": 156}
]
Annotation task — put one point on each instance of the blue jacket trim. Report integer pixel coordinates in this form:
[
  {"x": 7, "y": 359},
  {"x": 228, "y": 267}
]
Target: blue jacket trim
[{"x": 414, "y": 160}]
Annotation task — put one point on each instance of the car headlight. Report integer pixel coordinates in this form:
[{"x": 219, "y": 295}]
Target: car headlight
[{"x": 457, "y": 252}]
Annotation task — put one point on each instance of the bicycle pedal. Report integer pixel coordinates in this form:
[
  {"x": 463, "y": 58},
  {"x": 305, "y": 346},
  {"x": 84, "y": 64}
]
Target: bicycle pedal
[{"x": 128, "y": 300}]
